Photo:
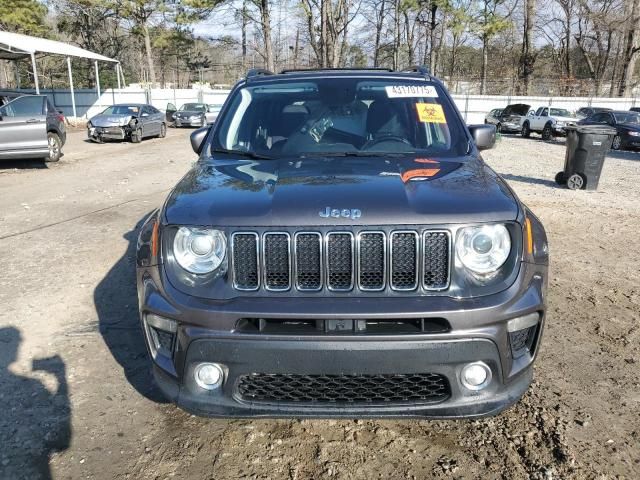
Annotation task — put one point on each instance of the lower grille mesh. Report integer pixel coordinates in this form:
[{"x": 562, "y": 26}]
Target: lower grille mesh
[{"x": 344, "y": 389}]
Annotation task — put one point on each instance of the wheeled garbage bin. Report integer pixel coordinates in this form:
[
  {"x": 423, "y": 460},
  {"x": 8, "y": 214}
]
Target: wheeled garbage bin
[{"x": 587, "y": 146}]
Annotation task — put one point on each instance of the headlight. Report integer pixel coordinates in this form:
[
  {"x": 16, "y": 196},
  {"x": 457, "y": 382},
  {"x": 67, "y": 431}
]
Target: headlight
[
  {"x": 199, "y": 250},
  {"x": 89, "y": 124},
  {"x": 173, "y": 116},
  {"x": 483, "y": 249},
  {"x": 195, "y": 117},
  {"x": 634, "y": 134}
]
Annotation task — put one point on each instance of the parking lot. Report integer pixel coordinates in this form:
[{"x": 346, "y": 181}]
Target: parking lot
[{"x": 78, "y": 401}]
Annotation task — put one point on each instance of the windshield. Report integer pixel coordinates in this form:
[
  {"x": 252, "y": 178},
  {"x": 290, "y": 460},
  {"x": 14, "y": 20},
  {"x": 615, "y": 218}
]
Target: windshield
[
  {"x": 560, "y": 112},
  {"x": 627, "y": 117},
  {"x": 198, "y": 107},
  {"x": 341, "y": 116},
  {"x": 132, "y": 110}
]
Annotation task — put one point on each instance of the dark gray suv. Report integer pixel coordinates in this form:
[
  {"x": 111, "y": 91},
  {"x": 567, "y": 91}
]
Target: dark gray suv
[{"x": 341, "y": 249}]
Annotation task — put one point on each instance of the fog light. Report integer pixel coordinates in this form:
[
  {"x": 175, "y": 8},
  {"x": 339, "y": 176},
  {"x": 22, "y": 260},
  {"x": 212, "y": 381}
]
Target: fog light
[
  {"x": 475, "y": 376},
  {"x": 208, "y": 375}
]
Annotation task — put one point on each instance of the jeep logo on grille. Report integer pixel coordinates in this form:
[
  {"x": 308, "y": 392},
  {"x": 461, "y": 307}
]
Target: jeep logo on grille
[{"x": 352, "y": 213}]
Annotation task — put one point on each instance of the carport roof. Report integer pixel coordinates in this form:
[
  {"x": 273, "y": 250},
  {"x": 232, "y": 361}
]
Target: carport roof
[{"x": 15, "y": 45}]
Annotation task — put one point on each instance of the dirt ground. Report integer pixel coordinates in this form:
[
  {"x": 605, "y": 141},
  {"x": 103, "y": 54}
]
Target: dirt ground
[{"x": 76, "y": 394}]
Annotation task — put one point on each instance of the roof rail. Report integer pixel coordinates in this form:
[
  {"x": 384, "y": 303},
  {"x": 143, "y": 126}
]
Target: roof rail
[
  {"x": 337, "y": 69},
  {"x": 256, "y": 72},
  {"x": 421, "y": 69}
]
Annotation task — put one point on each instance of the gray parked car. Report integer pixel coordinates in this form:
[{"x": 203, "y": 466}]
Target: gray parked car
[
  {"x": 31, "y": 127},
  {"x": 493, "y": 117},
  {"x": 127, "y": 122},
  {"x": 192, "y": 114}
]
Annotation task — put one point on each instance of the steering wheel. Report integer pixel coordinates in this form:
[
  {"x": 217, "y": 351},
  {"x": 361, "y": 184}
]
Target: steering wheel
[{"x": 386, "y": 138}]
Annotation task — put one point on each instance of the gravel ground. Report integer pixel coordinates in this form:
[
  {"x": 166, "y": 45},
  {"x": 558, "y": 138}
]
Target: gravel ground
[{"x": 78, "y": 401}]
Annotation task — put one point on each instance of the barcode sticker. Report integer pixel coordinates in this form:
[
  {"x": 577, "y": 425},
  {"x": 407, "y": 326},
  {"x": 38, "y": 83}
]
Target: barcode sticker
[{"x": 411, "y": 91}]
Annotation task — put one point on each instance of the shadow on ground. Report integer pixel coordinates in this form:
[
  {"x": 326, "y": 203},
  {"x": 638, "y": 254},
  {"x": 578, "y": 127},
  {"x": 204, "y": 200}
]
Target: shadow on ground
[
  {"x": 25, "y": 164},
  {"x": 531, "y": 180},
  {"x": 35, "y": 423},
  {"x": 116, "y": 302}
]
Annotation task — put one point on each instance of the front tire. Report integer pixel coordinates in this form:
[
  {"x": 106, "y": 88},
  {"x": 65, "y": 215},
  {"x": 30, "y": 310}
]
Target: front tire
[
  {"x": 526, "y": 130},
  {"x": 163, "y": 131},
  {"x": 617, "y": 143},
  {"x": 136, "y": 135},
  {"x": 499, "y": 128},
  {"x": 547, "y": 133},
  {"x": 55, "y": 147}
]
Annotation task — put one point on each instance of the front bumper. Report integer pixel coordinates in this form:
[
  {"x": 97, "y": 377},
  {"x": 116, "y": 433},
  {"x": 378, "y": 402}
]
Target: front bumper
[
  {"x": 185, "y": 122},
  {"x": 106, "y": 133},
  {"x": 510, "y": 127},
  {"x": 207, "y": 333}
]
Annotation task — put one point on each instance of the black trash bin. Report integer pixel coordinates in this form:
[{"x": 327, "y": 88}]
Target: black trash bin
[{"x": 587, "y": 146}]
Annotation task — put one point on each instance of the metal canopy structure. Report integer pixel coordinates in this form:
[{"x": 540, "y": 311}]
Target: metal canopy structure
[{"x": 15, "y": 46}]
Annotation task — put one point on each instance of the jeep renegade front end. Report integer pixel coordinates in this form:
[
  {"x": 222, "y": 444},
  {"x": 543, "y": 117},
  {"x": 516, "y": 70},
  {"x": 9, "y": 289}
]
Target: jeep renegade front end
[{"x": 340, "y": 249}]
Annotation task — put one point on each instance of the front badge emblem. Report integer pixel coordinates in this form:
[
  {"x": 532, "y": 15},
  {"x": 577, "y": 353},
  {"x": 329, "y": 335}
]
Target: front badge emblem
[{"x": 351, "y": 213}]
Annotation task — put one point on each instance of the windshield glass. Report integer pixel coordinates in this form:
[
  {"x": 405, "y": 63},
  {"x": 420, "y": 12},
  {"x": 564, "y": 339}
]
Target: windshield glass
[
  {"x": 341, "y": 116},
  {"x": 627, "y": 117},
  {"x": 132, "y": 110},
  {"x": 560, "y": 112},
  {"x": 198, "y": 107}
]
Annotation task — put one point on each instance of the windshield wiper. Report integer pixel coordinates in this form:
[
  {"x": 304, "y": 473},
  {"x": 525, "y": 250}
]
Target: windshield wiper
[
  {"x": 357, "y": 154},
  {"x": 242, "y": 153}
]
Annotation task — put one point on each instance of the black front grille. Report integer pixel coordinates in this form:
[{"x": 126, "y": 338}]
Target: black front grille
[
  {"x": 245, "y": 261},
  {"x": 378, "y": 389},
  {"x": 277, "y": 270},
  {"x": 404, "y": 268},
  {"x": 371, "y": 274},
  {"x": 436, "y": 260},
  {"x": 340, "y": 261},
  {"x": 308, "y": 261}
]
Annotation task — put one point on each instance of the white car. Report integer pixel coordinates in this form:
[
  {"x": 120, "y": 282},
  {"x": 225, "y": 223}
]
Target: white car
[{"x": 548, "y": 122}]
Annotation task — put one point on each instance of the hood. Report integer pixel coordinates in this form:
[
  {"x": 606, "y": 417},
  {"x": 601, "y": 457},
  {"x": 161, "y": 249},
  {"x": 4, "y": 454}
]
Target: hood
[
  {"x": 520, "y": 109},
  {"x": 339, "y": 191},
  {"x": 110, "y": 120}
]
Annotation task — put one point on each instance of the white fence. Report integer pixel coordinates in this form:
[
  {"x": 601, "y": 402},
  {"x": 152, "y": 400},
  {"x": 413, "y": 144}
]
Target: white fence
[{"x": 472, "y": 107}]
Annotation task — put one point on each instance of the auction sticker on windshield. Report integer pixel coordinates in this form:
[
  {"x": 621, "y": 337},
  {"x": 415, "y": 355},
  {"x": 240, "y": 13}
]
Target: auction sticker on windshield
[
  {"x": 411, "y": 91},
  {"x": 430, "y": 113}
]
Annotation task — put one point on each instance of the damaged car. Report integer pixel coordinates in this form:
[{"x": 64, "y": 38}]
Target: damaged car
[{"x": 131, "y": 122}]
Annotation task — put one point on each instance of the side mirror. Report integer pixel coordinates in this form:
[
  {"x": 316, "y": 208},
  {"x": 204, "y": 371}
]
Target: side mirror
[
  {"x": 484, "y": 136},
  {"x": 197, "y": 139}
]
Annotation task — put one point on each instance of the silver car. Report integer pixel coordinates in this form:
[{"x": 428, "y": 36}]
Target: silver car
[
  {"x": 30, "y": 127},
  {"x": 193, "y": 114},
  {"x": 127, "y": 122},
  {"x": 493, "y": 117}
]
